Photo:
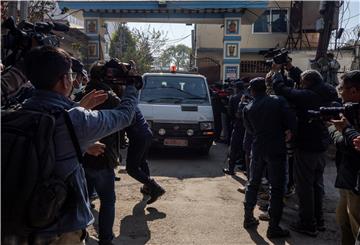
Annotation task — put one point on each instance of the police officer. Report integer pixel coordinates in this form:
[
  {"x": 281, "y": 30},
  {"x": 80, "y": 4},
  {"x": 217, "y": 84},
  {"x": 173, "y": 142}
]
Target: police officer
[
  {"x": 270, "y": 121},
  {"x": 235, "y": 149}
]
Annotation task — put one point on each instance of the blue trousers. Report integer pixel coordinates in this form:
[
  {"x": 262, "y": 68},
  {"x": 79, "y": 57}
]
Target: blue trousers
[
  {"x": 136, "y": 162},
  {"x": 276, "y": 166},
  {"x": 104, "y": 182}
]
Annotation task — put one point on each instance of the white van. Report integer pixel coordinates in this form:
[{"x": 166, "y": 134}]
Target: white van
[{"x": 178, "y": 108}]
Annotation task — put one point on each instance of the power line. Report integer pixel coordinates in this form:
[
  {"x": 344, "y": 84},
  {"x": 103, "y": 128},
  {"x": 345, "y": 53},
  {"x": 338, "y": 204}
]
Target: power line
[{"x": 352, "y": 17}]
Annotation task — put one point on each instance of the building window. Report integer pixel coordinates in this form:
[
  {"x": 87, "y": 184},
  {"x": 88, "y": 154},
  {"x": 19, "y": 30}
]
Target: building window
[
  {"x": 253, "y": 66},
  {"x": 272, "y": 21}
]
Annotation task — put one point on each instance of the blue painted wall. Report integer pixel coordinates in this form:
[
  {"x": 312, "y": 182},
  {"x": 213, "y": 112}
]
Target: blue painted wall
[{"x": 169, "y": 4}]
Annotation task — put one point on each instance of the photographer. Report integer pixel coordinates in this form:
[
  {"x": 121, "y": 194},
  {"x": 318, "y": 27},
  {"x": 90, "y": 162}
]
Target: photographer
[
  {"x": 17, "y": 42},
  {"x": 99, "y": 163},
  {"x": 312, "y": 141},
  {"x": 12, "y": 80},
  {"x": 271, "y": 123},
  {"x": 344, "y": 132},
  {"x": 81, "y": 79},
  {"x": 49, "y": 70}
]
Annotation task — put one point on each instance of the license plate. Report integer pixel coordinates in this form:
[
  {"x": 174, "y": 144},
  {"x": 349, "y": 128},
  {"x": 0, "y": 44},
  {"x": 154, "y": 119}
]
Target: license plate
[{"x": 175, "y": 142}]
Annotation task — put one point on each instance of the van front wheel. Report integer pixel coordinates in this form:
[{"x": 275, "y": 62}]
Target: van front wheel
[{"x": 205, "y": 150}]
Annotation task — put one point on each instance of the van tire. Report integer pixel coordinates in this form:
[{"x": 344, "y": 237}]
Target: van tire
[{"x": 205, "y": 150}]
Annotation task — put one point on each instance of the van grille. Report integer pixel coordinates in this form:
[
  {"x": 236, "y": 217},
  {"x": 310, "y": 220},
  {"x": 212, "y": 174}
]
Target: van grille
[{"x": 174, "y": 129}]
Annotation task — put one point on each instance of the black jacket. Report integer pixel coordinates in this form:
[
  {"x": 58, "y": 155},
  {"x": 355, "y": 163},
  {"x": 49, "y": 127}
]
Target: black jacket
[
  {"x": 111, "y": 156},
  {"x": 312, "y": 135},
  {"x": 233, "y": 109},
  {"x": 348, "y": 159},
  {"x": 267, "y": 118}
]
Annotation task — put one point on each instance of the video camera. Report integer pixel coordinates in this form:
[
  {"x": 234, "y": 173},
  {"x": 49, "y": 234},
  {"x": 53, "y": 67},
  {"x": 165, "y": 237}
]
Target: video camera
[
  {"x": 20, "y": 38},
  {"x": 350, "y": 110},
  {"x": 116, "y": 72},
  {"x": 276, "y": 56}
]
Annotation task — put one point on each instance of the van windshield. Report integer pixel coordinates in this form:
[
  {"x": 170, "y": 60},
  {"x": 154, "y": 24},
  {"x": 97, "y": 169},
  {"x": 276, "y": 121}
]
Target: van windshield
[{"x": 175, "y": 89}]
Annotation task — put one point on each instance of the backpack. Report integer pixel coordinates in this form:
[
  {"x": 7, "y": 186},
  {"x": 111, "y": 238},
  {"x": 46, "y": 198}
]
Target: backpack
[{"x": 31, "y": 194}]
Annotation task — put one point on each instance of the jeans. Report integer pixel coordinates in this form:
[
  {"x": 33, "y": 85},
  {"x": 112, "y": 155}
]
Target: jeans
[
  {"x": 136, "y": 163},
  {"x": 308, "y": 175},
  {"x": 104, "y": 182},
  {"x": 276, "y": 165}
]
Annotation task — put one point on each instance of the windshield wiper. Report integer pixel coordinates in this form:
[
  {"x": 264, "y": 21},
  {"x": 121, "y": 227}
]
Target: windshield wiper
[
  {"x": 195, "y": 98},
  {"x": 176, "y": 100}
]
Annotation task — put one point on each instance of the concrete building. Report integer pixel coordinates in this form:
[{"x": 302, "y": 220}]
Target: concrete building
[{"x": 284, "y": 24}]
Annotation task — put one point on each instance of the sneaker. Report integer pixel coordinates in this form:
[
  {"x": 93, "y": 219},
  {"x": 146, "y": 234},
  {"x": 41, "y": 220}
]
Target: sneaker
[
  {"x": 277, "y": 232},
  {"x": 228, "y": 171},
  {"x": 264, "y": 216},
  {"x": 250, "y": 222},
  {"x": 304, "y": 229}
]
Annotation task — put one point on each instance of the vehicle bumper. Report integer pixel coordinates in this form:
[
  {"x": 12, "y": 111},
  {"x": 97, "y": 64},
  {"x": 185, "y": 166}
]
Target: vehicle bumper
[{"x": 192, "y": 142}]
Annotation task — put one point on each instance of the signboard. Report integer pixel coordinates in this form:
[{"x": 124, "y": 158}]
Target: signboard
[{"x": 231, "y": 72}]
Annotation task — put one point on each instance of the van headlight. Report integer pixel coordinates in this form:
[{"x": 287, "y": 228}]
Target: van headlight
[
  {"x": 206, "y": 126},
  {"x": 190, "y": 132},
  {"x": 162, "y": 131}
]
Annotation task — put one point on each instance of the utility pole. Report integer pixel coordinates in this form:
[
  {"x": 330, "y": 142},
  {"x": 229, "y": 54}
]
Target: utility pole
[
  {"x": 327, "y": 10},
  {"x": 355, "y": 65},
  {"x": 24, "y": 10},
  {"x": 12, "y": 9}
]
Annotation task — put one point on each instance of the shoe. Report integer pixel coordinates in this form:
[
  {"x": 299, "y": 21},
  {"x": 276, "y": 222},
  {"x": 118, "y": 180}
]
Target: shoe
[
  {"x": 155, "y": 191},
  {"x": 145, "y": 190},
  {"x": 117, "y": 178},
  {"x": 264, "y": 216},
  {"x": 250, "y": 222},
  {"x": 242, "y": 167},
  {"x": 277, "y": 232},
  {"x": 290, "y": 192},
  {"x": 304, "y": 229},
  {"x": 264, "y": 196},
  {"x": 242, "y": 189},
  {"x": 264, "y": 207},
  {"x": 229, "y": 172}
]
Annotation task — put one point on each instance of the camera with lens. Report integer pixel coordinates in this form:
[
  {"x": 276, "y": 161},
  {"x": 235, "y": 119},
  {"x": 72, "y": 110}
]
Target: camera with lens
[
  {"x": 20, "y": 38},
  {"x": 120, "y": 73},
  {"x": 350, "y": 110},
  {"x": 276, "y": 56}
]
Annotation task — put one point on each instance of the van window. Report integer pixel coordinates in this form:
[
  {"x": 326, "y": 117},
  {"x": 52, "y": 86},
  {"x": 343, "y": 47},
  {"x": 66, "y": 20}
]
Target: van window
[{"x": 176, "y": 90}]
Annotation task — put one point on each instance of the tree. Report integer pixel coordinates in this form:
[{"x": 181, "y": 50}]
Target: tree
[
  {"x": 178, "y": 55},
  {"x": 138, "y": 45},
  {"x": 37, "y": 9}
]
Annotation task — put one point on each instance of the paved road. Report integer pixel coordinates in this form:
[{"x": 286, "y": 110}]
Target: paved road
[{"x": 201, "y": 205}]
